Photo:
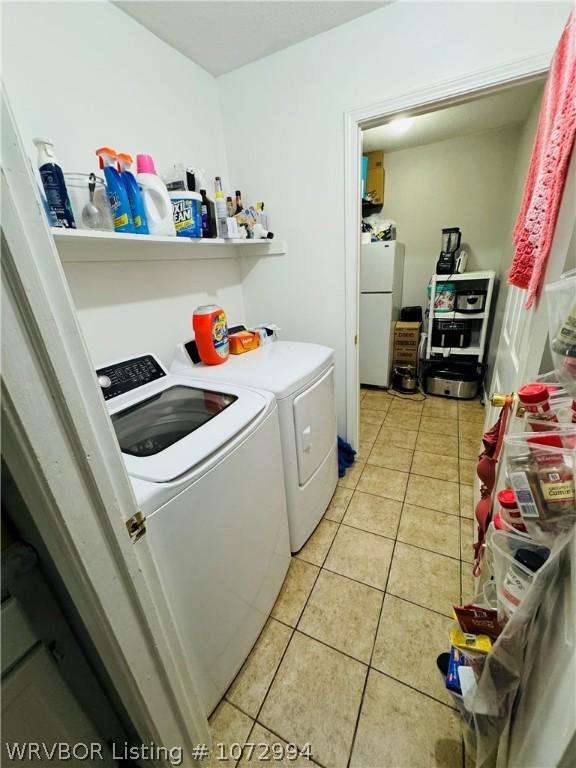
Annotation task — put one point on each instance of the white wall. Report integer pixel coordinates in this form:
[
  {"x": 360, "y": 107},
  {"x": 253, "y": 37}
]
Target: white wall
[
  {"x": 462, "y": 182},
  {"x": 87, "y": 75},
  {"x": 286, "y": 145}
]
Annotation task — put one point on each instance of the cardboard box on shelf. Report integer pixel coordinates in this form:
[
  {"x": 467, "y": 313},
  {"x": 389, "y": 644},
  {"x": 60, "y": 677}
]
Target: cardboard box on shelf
[{"x": 374, "y": 189}]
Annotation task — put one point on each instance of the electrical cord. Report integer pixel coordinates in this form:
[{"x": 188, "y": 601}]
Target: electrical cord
[{"x": 402, "y": 396}]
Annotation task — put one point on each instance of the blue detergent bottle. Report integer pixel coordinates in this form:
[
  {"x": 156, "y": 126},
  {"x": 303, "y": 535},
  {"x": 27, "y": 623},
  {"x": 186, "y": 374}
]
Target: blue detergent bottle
[
  {"x": 117, "y": 195},
  {"x": 134, "y": 194},
  {"x": 54, "y": 185}
]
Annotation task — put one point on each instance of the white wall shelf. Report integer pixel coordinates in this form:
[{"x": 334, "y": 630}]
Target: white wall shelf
[
  {"x": 439, "y": 315},
  {"x": 449, "y": 351},
  {"x": 86, "y": 245},
  {"x": 466, "y": 277}
]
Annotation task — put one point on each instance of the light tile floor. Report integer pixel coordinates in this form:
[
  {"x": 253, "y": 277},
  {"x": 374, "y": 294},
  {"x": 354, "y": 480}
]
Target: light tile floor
[{"x": 346, "y": 661}]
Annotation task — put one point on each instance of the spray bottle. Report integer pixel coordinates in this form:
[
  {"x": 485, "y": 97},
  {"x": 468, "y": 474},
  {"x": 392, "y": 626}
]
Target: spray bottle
[
  {"x": 134, "y": 194},
  {"x": 117, "y": 195},
  {"x": 54, "y": 185}
]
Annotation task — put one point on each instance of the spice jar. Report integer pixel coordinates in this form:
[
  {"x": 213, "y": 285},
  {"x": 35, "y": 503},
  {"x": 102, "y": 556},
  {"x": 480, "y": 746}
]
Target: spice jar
[
  {"x": 535, "y": 399},
  {"x": 509, "y": 511},
  {"x": 555, "y": 477},
  {"x": 518, "y": 577}
]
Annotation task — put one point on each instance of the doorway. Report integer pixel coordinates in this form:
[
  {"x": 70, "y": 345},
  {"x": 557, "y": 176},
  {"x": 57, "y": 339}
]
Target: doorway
[
  {"x": 439, "y": 206},
  {"x": 421, "y": 106}
]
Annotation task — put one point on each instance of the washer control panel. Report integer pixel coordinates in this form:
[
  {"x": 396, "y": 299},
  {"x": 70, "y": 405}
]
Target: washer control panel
[{"x": 119, "y": 378}]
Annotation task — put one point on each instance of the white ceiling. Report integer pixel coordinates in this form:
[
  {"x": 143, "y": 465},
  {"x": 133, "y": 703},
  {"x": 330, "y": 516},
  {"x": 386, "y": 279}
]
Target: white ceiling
[
  {"x": 220, "y": 35},
  {"x": 482, "y": 114}
]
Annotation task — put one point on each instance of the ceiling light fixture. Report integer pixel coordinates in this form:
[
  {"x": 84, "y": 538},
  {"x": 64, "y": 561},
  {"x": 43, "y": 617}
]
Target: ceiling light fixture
[{"x": 401, "y": 125}]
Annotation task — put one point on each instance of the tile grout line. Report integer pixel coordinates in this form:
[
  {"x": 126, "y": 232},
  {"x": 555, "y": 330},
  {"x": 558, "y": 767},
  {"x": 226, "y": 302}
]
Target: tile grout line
[
  {"x": 463, "y": 751},
  {"x": 310, "y": 760},
  {"x": 459, "y": 510},
  {"x": 406, "y": 543},
  {"x": 332, "y": 648},
  {"x": 369, "y": 586},
  {"x": 295, "y": 629},
  {"x": 293, "y": 632},
  {"x": 413, "y": 688},
  {"x": 359, "y": 714}
]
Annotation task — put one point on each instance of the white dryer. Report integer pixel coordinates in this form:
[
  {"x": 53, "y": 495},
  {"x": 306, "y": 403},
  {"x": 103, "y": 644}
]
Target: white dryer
[
  {"x": 205, "y": 463},
  {"x": 301, "y": 376}
]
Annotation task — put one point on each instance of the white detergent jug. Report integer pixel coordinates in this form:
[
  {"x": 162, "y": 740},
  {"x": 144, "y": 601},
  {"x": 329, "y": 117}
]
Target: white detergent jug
[{"x": 156, "y": 198}]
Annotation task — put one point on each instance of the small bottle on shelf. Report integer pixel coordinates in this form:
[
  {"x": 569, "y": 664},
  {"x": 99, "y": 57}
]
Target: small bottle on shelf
[
  {"x": 239, "y": 206},
  {"x": 220, "y": 204},
  {"x": 209, "y": 228},
  {"x": 230, "y": 206}
]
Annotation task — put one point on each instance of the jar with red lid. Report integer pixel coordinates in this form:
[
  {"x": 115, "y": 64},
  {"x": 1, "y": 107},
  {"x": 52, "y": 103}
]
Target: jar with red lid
[
  {"x": 509, "y": 511},
  {"x": 535, "y": 398}
]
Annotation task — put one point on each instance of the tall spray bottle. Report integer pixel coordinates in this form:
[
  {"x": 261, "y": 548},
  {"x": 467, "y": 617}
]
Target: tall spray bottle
[
  {"x": 117, "y": 194},
  {"x": 134, "y": 195},
  {"x": 54, "y": 185}
]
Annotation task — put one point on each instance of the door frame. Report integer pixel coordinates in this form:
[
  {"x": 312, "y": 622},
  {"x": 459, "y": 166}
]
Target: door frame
[
  {"x": 61, "y": 449},
  {"x": 443, "y": 94}
]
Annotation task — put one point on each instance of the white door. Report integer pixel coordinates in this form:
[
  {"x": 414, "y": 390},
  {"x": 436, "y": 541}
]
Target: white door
[
  {"x": 543, "y": 725},
  {"x": 524, "y": 332},
  {"x": 375, "y": 338}
]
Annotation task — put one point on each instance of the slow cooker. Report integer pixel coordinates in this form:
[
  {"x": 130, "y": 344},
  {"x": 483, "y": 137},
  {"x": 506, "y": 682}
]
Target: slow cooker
[{"x": 452, "y": 382}]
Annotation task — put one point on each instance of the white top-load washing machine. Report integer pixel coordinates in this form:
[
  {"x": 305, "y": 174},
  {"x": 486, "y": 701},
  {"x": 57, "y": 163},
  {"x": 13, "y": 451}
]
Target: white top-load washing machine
[
  {"x": 205, "y": 463},
  {"x": 301, "y": 376}
]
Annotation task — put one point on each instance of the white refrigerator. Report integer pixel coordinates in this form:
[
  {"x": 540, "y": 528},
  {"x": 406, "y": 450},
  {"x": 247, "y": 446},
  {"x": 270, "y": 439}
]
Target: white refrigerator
[{"x": 381, "y": 275}]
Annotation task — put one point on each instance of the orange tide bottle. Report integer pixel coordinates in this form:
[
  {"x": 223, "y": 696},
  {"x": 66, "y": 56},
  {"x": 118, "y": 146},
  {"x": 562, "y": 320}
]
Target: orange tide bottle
[{"x": 211, "y": 334}]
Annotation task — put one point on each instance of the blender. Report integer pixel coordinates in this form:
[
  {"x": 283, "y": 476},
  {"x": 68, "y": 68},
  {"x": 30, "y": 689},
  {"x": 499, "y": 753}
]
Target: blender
[{"x": 446, "y": 264}]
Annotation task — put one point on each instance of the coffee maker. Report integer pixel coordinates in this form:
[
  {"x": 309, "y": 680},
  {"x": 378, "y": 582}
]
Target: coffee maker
[{"x": 446, "y": 264}]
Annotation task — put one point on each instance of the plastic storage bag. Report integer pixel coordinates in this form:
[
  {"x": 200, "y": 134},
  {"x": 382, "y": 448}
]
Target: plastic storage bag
[
  {"x": 487, "y": 703},
  {"x": 540, "y": 468}
]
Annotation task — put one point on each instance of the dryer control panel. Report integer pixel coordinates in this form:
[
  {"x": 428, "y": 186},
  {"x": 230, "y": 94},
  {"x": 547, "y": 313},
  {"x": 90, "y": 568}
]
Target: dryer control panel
[{"x": 122, "y": 377}]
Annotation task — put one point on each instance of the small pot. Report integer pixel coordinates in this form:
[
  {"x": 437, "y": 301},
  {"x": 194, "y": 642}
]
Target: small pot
[{"x": 405, "y": 379}]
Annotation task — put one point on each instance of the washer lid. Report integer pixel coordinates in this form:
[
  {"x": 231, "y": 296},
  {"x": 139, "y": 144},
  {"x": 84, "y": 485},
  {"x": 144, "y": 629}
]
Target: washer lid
[
  {"x": 168, "y": 427},
  {"x": 281, "y": 367}
]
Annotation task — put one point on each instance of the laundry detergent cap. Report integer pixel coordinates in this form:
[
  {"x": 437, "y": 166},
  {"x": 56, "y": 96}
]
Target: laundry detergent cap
[{"x": 145, "y": 164}]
